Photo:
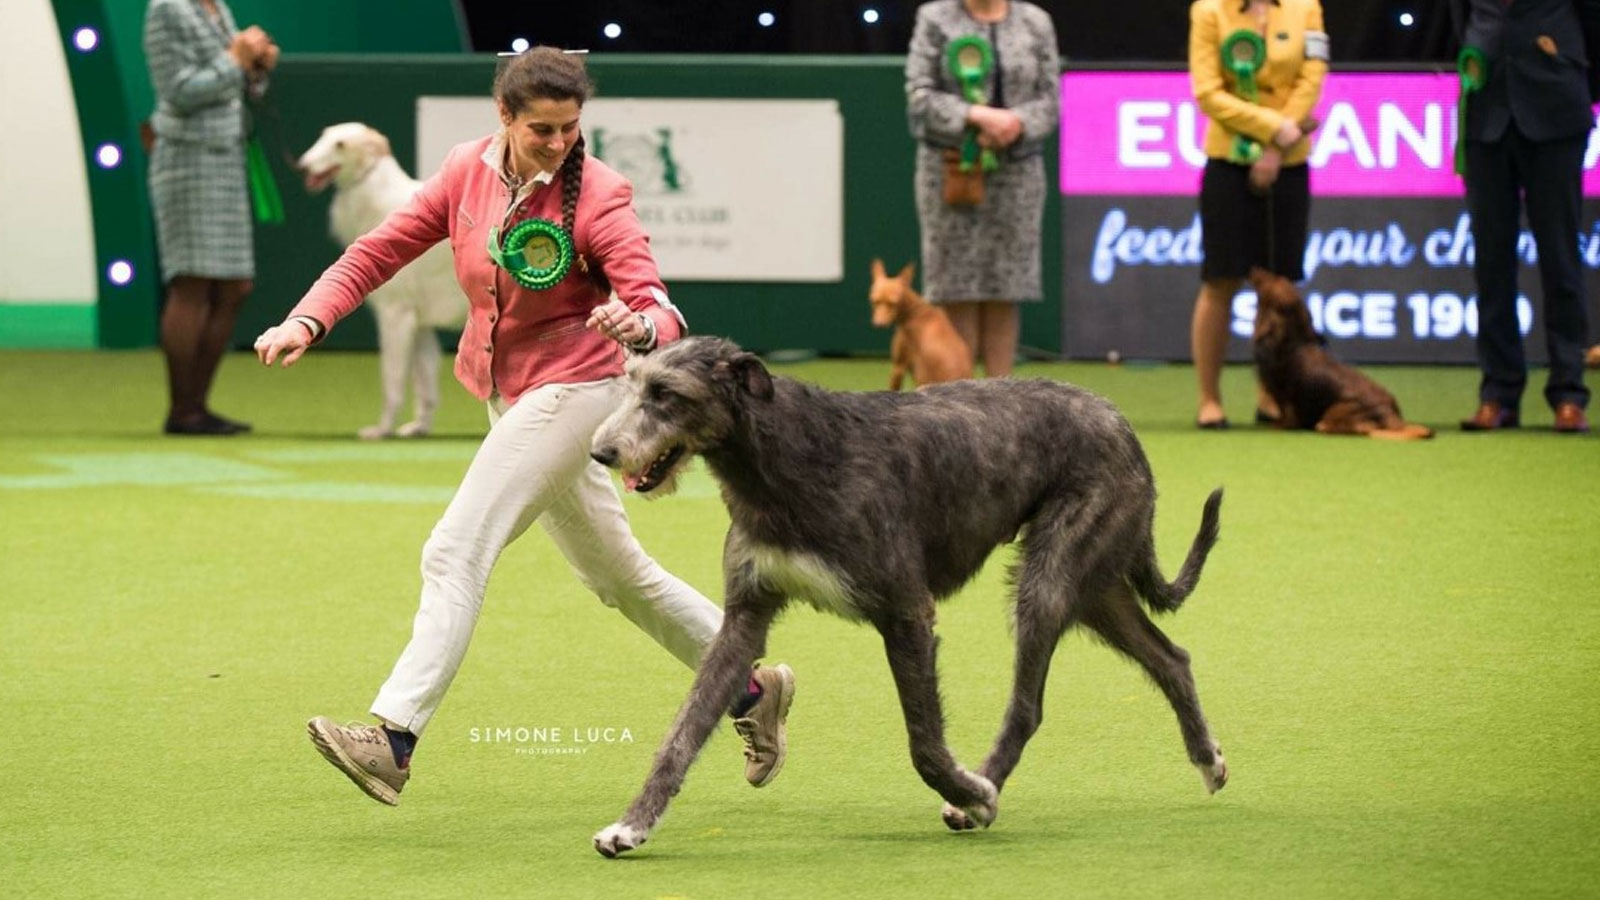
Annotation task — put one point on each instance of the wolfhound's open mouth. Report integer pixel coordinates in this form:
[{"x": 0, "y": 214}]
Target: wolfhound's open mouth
[{"x": 655, "y": 473}]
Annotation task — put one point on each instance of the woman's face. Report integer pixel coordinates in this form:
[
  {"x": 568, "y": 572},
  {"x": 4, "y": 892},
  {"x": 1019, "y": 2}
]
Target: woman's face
[{"x": 541, "y": 134}]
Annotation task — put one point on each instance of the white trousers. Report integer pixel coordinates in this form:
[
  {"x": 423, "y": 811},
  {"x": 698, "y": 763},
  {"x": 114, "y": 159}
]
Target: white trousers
[{"x": 534, "y": 465}]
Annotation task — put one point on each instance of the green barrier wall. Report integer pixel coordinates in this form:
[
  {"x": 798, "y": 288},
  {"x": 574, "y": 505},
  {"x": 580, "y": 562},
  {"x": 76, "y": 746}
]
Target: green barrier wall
[
  {"x": 879, "y": 214},
  {"x": 111, "y": 87}
]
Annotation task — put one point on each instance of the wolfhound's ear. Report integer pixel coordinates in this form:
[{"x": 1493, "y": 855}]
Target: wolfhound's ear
[{"x": 749, "y": 375}]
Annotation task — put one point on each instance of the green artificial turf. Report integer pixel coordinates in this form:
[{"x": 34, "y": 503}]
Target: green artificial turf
[{"x": 1398, "y": 646}]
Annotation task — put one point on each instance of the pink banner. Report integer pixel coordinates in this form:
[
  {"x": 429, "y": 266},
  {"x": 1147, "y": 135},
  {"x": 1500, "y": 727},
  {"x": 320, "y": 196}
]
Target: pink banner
[{"x": 1383, "y": 134}]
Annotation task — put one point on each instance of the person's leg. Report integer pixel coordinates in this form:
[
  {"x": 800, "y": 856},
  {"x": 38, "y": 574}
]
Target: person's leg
[
  {"x": 528, "y": 457},
  {"x": 964, "y": 316},
  {"x": 587, "y": 522},
  {"x": 183, "y": 325},
  {"x": 1493, "y": 201},
  {"x": 1208, "y": 342},
  {"x": 227, "y": 297},
  {"x": 1554, "y": 195},
  {"x": 999, "y": 327}
]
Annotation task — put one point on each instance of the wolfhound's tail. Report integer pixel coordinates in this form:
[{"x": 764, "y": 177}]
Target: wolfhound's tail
[{"x": 1163, "y": 596}]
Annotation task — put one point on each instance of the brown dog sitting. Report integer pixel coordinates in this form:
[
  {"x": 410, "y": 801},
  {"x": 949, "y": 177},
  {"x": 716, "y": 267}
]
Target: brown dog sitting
[
  {"x": 925, "y": 343},
  {"x": 1312, "y": 389}
]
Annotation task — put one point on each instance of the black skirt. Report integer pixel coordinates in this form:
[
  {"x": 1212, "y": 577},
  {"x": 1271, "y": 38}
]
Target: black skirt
[{"x": 1239, "y": 229}]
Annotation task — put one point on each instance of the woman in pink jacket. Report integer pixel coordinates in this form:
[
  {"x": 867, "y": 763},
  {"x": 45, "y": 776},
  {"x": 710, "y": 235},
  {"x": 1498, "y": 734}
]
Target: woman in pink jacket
[{"x": 542, "y": 233}]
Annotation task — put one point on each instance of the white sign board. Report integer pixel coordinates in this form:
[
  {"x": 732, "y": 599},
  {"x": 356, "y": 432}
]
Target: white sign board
[{"x": 729, "y": 190}]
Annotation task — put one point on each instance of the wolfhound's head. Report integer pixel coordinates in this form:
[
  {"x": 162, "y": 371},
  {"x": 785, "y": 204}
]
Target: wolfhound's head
[{"x": 682, "y": 399}]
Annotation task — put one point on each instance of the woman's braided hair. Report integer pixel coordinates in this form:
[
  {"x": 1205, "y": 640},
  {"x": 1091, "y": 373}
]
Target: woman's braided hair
[{"x": 546, "y": 73}]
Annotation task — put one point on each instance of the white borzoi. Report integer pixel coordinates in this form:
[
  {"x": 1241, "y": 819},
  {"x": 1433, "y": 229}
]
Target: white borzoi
[{"x": 424, "y": 296}]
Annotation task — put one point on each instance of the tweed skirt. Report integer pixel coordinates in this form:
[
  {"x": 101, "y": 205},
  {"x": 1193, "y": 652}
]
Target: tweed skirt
[
  {"x": 202, "y": 206},
  {"x": 984, "y": 252}
]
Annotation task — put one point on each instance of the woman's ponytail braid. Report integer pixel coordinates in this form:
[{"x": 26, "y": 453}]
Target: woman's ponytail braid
[{"x": 571, "y": 184}]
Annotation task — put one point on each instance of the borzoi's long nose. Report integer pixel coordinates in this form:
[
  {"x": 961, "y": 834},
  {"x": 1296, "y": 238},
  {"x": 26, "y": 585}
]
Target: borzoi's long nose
[{"x": 605, "y": 456}]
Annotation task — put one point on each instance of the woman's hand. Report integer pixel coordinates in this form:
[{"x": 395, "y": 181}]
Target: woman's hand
[
  {"x": 1264, "y": 171},
  {"x": 1288, "y": 135},
  {"x": 247, "y": 46},
  {"x": 289, "y": 340},
  {"x": 996, "y": 127},
  {"x": 616, "y": 321},
  {"x": 268, "y": 60}
]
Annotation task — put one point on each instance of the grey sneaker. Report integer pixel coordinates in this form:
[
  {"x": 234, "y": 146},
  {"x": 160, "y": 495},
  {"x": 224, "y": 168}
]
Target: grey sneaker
[
  {"x": 361, "y": 752},
  {"x": 762, "y": 727}
]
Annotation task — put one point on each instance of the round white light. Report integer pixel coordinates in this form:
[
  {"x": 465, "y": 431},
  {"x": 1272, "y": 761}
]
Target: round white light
[
  {"x": 120, "y": 272},
  {"x": 86, "y": 39},
  {"x": 766, "y": 19},
  {"x": 520, "y": 45},
  {"x": 869, "y": 16},
  {"x": 1407, "y": 19},
  {"x": 108, "y": 156},
  {"x": 612, "y": 30}
]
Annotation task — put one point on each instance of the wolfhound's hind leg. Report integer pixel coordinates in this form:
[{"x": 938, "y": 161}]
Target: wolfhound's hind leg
[{"x": 1118, "y": 619}]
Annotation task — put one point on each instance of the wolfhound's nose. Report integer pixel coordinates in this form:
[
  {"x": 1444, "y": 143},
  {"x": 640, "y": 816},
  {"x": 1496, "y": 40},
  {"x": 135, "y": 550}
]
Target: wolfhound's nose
[{"x": 605, "y": 456}]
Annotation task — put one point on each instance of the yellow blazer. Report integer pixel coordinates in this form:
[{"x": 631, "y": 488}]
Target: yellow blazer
[{"x": 1287, "y": 85}]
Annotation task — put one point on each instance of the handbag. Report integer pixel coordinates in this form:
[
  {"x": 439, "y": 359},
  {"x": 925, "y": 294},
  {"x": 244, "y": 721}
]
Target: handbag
[{"x": 961, "y": 188}]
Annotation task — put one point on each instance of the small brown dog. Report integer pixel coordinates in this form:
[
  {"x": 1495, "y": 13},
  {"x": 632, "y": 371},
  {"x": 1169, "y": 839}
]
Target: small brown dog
[
  {"x": 924, "y": 340},
  {"x": 1312, "y": 389}
]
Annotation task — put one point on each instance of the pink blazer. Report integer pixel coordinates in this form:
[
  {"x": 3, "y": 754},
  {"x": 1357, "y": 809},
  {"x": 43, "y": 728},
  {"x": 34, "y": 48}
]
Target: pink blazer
[{"x": 515, "y": 339}]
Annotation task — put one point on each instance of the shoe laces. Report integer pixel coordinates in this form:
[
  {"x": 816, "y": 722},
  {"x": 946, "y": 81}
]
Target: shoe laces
[
  {"x": 748, "y": 729},
  {"x": 363, "y": 733}
]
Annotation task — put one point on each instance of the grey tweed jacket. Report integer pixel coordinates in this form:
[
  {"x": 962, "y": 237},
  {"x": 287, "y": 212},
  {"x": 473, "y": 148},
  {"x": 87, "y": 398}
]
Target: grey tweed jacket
[
  {"x": 1030, "y": 69},
  {"x": 199, "y": 89}
]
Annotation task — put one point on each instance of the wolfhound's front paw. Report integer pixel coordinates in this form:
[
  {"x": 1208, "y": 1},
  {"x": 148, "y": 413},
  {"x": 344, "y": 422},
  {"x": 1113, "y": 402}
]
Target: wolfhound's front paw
[
  {"x": 1215, "y": 773},
  {"x": 375, "y": 433},
  {"x": 413, "y": 430},
  {"x": 616, "y": 839},
  {"x": 981, "y": 811}
]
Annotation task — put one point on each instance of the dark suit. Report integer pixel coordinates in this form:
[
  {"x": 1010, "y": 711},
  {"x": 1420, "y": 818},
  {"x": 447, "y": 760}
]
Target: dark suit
[{"x": 1526, "y": 131}]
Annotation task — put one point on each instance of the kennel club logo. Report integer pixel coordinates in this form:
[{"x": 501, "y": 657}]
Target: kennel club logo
[
  {"x": 551, "y": 740},
  {"x": 645, "y": 159}
]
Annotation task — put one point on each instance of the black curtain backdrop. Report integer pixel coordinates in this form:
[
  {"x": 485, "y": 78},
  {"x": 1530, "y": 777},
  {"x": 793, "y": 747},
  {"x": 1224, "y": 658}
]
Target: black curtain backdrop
[{"x": 1364, "y": 31}]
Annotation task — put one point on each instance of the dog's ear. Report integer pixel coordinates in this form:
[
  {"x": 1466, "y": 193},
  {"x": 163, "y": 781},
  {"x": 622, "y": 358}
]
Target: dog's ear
[
  {"x": 750, "y": 376},
  {"x": 907, "y": 273},
  {"x": 377, "y": 143},
  {"x": 877, "y": 270}
]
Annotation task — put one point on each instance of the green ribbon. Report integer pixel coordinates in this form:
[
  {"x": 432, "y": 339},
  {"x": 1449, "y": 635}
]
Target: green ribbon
[
  {"x": 264, "y": 197},
  {"x": 1473, "y": 67},
  {"x": 971, "y": 59},
  {"x": 550, "y": 241},
  {"x": 1243, "y": 54}
]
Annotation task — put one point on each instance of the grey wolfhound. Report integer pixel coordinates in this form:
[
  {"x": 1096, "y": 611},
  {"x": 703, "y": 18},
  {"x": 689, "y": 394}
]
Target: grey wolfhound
[{"x": 872, "y": 506}]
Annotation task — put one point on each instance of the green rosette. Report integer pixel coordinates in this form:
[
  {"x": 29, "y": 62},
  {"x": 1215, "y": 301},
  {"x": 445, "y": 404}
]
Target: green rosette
[
  {"x": 537, "y": 252},
  {"x": 971, "y": 59},
  {"x": 1243, "y": 54},
  {"x": 1473, "y": 68}
]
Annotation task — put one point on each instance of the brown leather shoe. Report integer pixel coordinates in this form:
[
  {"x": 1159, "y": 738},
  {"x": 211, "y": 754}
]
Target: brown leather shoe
[
  {"x": 1491, "y": 416},
  {"x": 1570, "y": 418}
]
